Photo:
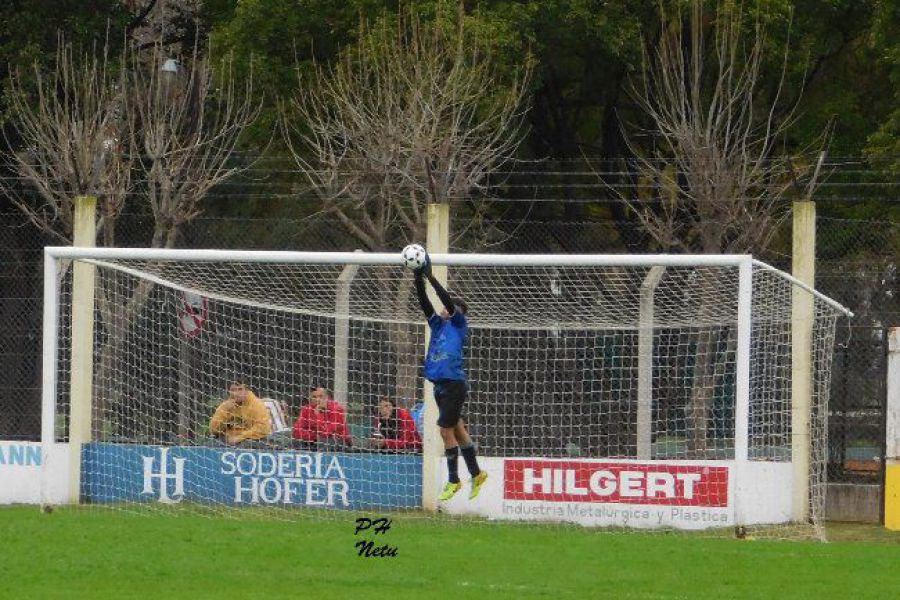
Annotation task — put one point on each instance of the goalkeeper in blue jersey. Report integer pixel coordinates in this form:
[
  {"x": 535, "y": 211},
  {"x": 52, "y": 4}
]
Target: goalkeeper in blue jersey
[{"x": 444, "y": 368}]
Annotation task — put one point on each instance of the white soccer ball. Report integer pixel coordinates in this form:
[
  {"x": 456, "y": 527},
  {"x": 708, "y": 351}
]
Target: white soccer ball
[{"x": 414, "y": 256}]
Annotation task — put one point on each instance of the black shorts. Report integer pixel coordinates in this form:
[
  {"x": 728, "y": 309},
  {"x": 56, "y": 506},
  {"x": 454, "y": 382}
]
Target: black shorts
[{"x": 450, "y": 396}]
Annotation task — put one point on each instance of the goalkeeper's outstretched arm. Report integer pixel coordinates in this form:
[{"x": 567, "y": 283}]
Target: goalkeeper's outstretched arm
[
  {"x": 446, "y": 300},
  {"x": 424, "y": 302}
]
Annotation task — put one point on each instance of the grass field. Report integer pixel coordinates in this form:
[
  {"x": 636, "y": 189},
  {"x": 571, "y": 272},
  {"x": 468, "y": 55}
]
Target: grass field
[{"x": 104, "y": 554}]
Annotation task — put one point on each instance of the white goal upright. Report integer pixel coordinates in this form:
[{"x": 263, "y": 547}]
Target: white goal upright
[{"x": 657, "y": 391}]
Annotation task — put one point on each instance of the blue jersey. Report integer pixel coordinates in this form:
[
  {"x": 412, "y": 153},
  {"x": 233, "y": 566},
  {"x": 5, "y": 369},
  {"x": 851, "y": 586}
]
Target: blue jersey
[{"x": 444, "y": 360}]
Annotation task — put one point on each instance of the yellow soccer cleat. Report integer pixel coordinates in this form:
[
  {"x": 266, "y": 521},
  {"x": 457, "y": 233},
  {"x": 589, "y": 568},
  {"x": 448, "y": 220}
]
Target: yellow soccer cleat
[
  {"x": 449, "y": 491},
  {"x": 477, "y": 482}
]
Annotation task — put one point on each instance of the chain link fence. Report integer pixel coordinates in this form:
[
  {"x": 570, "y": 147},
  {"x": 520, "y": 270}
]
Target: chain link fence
[
  {"x": 20, "y": 321},
  {"x": 562, "y": 210}
]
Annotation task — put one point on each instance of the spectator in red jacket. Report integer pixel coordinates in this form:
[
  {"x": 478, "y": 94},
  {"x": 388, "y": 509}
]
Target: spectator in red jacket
[
  {"x": 322, "y": 422},
  {"x": 394, "y": 428}
]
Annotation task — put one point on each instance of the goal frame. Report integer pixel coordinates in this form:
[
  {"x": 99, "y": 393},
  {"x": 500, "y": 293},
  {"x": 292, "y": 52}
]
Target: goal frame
[{"x": 802, "y": 317}]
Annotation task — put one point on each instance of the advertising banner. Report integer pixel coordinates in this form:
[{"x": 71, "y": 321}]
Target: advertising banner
[
  {"x": 590, "y": 492},
  {"x": 133, "y": 473},
  {"x": 607, "y": 493}
]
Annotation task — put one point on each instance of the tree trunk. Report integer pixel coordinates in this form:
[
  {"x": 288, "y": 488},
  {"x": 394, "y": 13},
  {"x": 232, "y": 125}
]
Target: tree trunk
[
  {"x": 701, "y": 395},
  {"x": 117, "y": 318},
  {"x": 704, "y": 376}
]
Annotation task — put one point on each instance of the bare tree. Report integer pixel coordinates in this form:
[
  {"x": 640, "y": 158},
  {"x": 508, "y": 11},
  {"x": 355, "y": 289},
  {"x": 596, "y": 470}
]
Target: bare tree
[
  {"x": 164, "y": 126},
  {"x": 408, "y": 116},
  {"x": 185, "y": 123},
  {"x": 72, "y": 130},
  {"x": 87, "y": 126},
  {"x": 714, "y": 135},
  {"x": 713, "y": 160},
  {"x": 411, "y": 114}
]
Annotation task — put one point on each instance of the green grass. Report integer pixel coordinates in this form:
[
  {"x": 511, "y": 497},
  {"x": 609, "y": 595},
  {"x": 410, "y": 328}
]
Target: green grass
[{"x": 98, "y": 553}]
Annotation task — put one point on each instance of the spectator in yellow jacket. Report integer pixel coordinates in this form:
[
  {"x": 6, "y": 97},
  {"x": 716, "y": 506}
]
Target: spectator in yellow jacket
[{"x": 242, "y": 416}]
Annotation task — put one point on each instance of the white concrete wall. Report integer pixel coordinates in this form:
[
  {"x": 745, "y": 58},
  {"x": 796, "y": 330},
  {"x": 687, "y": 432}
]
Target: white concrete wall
[{"x": 20, "y": 473}]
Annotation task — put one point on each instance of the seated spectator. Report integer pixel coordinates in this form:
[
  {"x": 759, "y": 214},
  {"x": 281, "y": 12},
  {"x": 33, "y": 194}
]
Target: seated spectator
[
  {"x": 394, "y": 428},
  {"x": 240, "y": 417},
  {"x": 322, "y": 423}
]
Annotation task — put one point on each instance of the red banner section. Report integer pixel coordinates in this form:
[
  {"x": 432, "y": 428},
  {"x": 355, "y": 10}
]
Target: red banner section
[{"x": 618, "y": 483}]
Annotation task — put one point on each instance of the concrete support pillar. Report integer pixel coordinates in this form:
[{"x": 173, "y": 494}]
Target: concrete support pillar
[
  {"x": 437, "y": 242},
  {"x": 892, "y": 447},
  {"x": 802, "y": 321},
  {"x": 82, "y": 365}
]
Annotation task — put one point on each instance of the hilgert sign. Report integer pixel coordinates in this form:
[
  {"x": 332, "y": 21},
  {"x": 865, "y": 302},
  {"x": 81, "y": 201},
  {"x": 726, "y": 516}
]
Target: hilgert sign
[
  {"x": 132, "y": 473},
  {"x": 616, "y": 483},
  {"x": 607, "y": 492}
]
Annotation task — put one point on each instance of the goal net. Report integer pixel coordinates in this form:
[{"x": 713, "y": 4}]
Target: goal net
[{"x": 638, "y": 392}]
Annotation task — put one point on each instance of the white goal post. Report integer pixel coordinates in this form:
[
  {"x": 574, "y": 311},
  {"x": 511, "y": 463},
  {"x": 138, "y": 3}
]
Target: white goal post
[{"x": 643, "y": 391}]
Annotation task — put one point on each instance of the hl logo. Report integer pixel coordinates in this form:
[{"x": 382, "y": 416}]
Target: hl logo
[{"x": 164, "y": 477}]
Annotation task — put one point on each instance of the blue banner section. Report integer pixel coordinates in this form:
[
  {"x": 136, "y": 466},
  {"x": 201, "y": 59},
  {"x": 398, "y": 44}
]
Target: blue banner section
[{"x": 173, "y": 474}]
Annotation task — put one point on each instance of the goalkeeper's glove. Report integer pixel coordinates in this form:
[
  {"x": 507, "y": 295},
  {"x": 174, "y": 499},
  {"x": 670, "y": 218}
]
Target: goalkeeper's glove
[{"x": 425, "y": 269}]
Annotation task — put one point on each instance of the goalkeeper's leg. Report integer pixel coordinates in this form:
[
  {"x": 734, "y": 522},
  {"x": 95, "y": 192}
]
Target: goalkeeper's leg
[
  {"x": 451, "y": 449},
  {"x": 450, "y": 398},
  {"x": 467, "y": 449}
]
